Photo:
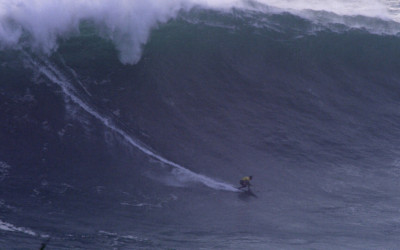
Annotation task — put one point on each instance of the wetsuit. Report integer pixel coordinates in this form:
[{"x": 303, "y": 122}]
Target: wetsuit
[{"x": 245, "y": 182}]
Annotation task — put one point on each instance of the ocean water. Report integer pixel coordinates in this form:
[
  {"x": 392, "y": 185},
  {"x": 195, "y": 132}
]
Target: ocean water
[{"x": 128, "y": 124}]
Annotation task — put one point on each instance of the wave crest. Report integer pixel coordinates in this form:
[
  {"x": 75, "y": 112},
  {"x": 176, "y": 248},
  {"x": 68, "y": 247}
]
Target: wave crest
[{"x": 42, "y": 23}]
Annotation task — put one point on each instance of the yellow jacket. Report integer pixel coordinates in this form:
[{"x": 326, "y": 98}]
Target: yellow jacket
[{"x": 246, "y": 178}]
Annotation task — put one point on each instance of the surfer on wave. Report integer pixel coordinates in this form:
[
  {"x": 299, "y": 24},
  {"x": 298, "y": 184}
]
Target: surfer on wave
[{"x": 245, "y": 182}]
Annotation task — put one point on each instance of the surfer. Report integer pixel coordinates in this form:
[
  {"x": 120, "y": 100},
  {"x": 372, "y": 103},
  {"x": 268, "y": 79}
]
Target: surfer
[{"x": 245, "y": 182}]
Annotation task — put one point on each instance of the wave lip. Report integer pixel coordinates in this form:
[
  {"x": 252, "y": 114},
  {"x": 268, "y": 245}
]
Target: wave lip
[
  {"x": 42, "y": 23},
  {"x": 369, "y": 8}
]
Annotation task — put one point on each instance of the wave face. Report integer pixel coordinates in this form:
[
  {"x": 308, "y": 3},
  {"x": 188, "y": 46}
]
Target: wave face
[{"x": 128, "y": 125}]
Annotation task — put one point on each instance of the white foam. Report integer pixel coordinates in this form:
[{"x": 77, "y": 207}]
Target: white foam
[
  {"x": 182, "y": 173},
  {"x": 141, "y": 205},
  {"x": 128, "y": 22},
  {"x": 371, "y": 8},
  {"x": 128, "y": 237},
  {"x": 10, "y": 227}
]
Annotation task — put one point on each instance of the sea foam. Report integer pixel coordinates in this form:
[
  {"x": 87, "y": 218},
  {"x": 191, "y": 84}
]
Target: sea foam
[{"x": 40, "y": 24}]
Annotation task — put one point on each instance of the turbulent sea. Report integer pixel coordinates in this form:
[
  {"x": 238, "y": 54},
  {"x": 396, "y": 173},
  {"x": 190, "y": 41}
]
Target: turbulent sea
[{"x": 128, "y": 124}]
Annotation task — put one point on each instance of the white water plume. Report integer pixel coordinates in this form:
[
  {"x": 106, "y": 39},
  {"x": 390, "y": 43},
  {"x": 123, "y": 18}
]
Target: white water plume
[{"x": 42, "y": 23}]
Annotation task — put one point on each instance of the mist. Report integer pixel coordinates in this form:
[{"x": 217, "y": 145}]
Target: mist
[{"x": 42, "y": 23}]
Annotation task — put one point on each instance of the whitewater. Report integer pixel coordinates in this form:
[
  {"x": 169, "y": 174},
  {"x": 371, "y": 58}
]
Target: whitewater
[
  {"x": 128, "y": 24},
  {"x": 128, "y": 124}
]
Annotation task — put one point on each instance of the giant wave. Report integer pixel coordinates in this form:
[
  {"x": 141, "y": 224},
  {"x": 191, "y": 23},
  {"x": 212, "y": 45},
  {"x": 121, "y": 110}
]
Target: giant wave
[{"x": 113, "y": 114}]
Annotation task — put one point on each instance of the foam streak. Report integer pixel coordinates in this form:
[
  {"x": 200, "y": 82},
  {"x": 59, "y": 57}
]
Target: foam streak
[
  {"x": 10, "y": 227},
  {"x": 58, "y": 78}
]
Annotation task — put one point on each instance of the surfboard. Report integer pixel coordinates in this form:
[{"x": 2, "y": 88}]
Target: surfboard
[{"x": 248, "y": 192}]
